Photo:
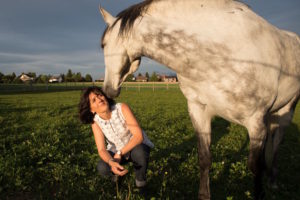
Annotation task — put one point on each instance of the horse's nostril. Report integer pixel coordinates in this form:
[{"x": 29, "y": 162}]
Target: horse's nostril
[{"x": 112, "y": 93}]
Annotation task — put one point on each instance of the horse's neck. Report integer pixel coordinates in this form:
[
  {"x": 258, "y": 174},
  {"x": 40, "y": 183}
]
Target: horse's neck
[
  {"x": 166, "y": 44},
  {"x": 160, "y": 52}
]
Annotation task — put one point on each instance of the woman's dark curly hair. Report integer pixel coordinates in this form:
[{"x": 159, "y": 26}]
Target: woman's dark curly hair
[{"x": 85, "y": 114}]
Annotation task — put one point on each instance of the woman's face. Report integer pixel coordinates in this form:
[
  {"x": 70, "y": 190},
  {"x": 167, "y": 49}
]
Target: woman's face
[{"x": 98, "y": 103}]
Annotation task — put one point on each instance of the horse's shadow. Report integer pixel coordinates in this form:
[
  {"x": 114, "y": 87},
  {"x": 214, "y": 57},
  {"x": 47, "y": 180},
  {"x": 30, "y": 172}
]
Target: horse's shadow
[
  {"x": 178, "y": 184},
  {"x": 288, "y": 166}
]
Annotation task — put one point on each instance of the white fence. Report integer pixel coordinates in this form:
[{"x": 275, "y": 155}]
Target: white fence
[
  {"x": 150, "y": 85},
  {"x": 136, "y": 86}
]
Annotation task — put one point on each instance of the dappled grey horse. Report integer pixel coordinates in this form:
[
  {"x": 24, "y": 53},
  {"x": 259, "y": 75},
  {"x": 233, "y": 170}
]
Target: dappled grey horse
[{"x": 230, "y": 62}]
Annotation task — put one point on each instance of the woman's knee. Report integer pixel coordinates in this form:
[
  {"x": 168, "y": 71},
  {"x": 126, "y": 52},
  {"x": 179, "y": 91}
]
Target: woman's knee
[{"x": 140, "y": 154}]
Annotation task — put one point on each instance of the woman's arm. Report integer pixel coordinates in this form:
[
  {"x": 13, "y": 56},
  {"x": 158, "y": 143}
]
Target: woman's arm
[
  {"x": 103, "y": 153},
  {"x": 134, "y": 127},
  {"x": 100, "y": 143}
]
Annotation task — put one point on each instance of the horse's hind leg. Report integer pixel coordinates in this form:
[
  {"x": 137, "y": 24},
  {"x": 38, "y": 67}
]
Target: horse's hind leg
[
  {"x": 202, "y": 123},
  {"x": 257, "y": 134},
  {"x": 274, "y": 138},
  {"x": 276, "y": 123}
]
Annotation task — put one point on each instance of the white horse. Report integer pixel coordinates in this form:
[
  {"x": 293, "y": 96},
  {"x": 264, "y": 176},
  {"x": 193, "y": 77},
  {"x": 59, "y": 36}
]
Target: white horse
[{"x": 230, "y": 62}]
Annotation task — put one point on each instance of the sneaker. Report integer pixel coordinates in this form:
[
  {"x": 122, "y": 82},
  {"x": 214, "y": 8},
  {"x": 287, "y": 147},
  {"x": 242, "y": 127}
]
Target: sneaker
[
  {"x": 140, "y": 184},
  {"x": 114, "y": 178}
]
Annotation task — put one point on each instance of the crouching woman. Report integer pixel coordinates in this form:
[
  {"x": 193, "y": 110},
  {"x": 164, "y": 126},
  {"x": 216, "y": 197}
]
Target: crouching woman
[{"x": 116, "y": 124}]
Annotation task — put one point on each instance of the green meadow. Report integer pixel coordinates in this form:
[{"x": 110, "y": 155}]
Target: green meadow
[{"x": 47, "y": 154}]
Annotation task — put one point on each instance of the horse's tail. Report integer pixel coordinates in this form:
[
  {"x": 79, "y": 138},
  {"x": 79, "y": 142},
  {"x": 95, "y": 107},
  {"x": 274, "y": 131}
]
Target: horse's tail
[{"x": 298, "y": 38}]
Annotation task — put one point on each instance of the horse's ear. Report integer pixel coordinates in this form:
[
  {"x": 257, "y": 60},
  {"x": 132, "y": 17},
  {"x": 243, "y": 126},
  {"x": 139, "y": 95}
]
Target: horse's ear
[{"x": 108, "y": 18}]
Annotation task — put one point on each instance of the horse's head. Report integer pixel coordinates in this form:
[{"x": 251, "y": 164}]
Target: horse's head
[{"x": 120, "y": 60}]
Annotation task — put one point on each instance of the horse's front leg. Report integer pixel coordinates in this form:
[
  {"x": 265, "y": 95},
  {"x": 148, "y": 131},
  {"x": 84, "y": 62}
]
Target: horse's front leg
[
  {"x": 201, "y": 120},
  {"x": 257, "y": 133}
]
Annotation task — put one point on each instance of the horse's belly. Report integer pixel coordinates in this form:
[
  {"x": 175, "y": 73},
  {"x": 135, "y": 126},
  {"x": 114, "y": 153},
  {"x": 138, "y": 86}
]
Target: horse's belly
[
  {"x": 232, "y": 101},
  {"x": 287, "y": 90}
]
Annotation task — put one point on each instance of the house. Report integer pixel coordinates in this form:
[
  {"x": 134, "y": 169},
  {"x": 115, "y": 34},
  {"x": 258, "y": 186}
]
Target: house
[
  {"x": 165, "y": 78},
  {"x": 141, "y": 79},
  {"x": 55, "y": 79},
  {"x": 101, "y": 79},
  {"x": 26, "y": 78}
]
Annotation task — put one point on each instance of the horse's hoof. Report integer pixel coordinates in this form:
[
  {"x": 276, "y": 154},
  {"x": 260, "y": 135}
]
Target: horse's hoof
[{"x": 273, "y": 186}]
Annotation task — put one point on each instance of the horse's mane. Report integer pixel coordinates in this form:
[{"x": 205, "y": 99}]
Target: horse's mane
[{"x": 128, "y": 17}]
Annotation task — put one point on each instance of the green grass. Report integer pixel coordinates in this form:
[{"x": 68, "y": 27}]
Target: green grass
[{"x": 47, "y": 154}]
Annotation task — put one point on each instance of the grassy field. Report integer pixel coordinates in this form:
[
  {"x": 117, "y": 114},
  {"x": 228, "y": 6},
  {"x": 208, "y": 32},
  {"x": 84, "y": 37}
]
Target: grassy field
[{"x": 47, "y": 154}]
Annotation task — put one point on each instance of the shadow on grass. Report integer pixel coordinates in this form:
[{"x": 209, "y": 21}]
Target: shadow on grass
[
  {"x": 288, "y": 166},
  {"x": 238, "y": 184}
]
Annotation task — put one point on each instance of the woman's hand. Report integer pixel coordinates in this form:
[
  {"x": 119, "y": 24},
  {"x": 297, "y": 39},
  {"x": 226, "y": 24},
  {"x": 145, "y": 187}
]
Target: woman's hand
[{"x": 117, "y": 169}]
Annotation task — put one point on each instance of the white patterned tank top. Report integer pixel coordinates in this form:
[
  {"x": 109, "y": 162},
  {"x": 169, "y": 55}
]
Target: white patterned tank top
[{"x": 116, "y": 131}]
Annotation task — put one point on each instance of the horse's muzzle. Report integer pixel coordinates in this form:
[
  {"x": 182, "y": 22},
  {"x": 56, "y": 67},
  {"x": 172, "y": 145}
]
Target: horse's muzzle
[{"x": 110, "y": 92}]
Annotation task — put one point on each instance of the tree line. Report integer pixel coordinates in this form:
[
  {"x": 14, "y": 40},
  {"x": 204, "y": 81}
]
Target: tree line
[
  {"x": 70, "y": 77},
  {"x": 42, "y": 78}
]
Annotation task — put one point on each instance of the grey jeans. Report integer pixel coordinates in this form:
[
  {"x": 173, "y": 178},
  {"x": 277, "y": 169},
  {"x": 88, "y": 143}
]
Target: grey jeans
[{"x": 139, "y": 156}]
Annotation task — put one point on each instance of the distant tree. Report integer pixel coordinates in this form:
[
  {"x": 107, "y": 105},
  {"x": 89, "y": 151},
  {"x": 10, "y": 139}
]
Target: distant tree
[
  {"x": 88, "y": 78},
  {"x": 139, "y": 74},
  {"x": 38, "y": 79},
  {"x": 130, "y": 78},
  {"x": 73, "y": 79},
  {"x": 153, "y": 77},
  {"x": 147, "y": 75},
  {"x": 5, "y": 79},
  {"x": 32, "y": 74},
  {"x": 13, "y": 76},
  {"x": 44, "y": 78},
  {"x": 69, "y": 73},
  {"x": 9, "y": 78},
  {"x": 63, "y": 78},
  {"x": 69, "y": 77},
  {"x": 1, "y": 76},
  {"x": 77, "y": 77}
]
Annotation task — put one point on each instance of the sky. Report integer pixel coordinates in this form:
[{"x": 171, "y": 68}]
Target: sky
[{"x": 52, "y": 36}]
